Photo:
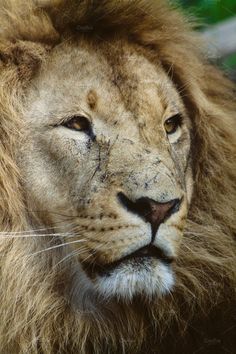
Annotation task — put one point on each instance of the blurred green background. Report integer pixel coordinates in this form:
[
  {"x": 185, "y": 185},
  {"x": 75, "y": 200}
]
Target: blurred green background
[{"x": 211, "y": 12}]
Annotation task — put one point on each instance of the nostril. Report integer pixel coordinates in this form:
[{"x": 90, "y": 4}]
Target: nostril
[
  {"x": 140, "y": 207},
  {"x": 127, "y": 203},
  {"x": 143, "y": 207},
  {"x": 176, "y": 205},
  {"x": 150, "y": 210}
]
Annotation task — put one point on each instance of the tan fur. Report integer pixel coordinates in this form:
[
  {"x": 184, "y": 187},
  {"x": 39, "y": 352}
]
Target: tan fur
[{"x": 34, "y": 316}]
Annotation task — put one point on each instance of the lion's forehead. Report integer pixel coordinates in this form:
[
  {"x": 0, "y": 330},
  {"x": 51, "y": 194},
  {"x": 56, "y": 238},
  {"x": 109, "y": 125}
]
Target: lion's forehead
[{"x": 121, "y": 87}]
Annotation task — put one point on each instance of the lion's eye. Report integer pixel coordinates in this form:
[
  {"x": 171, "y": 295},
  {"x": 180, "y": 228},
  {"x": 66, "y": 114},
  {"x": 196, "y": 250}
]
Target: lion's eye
[
  {"x": 172, "y": 124},
  {"x": 78, "y": 123}
]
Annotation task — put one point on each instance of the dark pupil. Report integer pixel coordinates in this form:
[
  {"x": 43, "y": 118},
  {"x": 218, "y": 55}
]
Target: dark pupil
[{"x": 172, "y": 122}]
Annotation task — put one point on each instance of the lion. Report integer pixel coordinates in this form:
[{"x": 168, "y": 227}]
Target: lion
[{"x": 117, "y": 182}]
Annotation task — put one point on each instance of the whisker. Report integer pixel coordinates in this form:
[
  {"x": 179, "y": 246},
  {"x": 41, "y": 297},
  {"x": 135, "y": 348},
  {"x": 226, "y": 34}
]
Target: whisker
[
  {"x": 78, "y": 252},
  {"x": 7, "y": 235},
  {"x": 98, "y": 247},
  {"x": 194, "y": 233},
  {"x": 55, "y": 247},
  {"x": 74, "y": 253},
  {"x": 52, "y": 212},
  {"x": 35, "y": 230},
  {"x": 66, "y": 258}
]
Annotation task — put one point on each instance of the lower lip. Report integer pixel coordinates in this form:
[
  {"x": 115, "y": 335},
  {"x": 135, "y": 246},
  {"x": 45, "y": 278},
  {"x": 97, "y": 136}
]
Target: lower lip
[{"x": 105, "y": 269}]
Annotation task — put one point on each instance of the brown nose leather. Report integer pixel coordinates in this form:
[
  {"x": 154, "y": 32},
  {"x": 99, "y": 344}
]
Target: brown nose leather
[
  {"x": 157, "y": 211},
  {"x": 150, "y": 210}
]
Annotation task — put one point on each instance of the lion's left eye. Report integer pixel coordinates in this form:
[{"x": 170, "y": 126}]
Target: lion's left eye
[
  {"x": 78, "y": 123},
  {"x": 172, "y": 124}
]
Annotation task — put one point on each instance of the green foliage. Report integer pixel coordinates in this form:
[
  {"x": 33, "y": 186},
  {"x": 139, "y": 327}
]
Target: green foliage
[{"x": 211, "y": 11}]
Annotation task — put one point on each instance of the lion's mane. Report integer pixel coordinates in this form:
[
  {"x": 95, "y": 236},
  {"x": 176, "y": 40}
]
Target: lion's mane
[{"x": 34, "y": 318}]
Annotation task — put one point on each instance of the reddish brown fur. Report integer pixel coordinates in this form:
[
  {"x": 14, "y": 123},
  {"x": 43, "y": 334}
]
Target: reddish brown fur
[{"x": 34, "y": 318}]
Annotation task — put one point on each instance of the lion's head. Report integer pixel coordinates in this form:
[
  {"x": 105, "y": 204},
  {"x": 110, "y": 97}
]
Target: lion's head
[
  {"x": 117, "y": 175},
  {"x": 111, "y": 145}
]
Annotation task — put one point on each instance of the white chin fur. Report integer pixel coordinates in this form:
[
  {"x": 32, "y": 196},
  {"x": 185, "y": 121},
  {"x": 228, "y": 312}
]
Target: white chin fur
[{"x": 127, "y": 281}]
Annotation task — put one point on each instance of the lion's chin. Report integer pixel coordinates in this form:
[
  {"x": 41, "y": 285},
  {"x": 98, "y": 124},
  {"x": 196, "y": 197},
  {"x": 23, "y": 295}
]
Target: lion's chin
[{"x": 149, "y": 278}]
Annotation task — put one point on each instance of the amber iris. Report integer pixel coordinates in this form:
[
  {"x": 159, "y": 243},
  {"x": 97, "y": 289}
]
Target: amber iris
[{"x": 172, "y": 124}]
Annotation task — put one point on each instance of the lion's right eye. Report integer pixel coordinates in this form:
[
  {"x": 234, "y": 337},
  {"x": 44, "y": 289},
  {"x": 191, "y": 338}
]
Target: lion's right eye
[
  {"x": 79, "y": 123},
  {"x": 172, "y": 124}
]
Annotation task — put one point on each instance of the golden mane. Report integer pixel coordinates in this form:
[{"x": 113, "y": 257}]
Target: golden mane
[{"x": 34, "y": 318}]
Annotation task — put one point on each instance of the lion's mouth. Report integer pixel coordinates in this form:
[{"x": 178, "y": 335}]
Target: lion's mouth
[{"x": 138, "y": 257}]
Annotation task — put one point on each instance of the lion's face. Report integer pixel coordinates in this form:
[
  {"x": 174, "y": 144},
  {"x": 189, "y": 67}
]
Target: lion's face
[{"x": 106, "y": 161}]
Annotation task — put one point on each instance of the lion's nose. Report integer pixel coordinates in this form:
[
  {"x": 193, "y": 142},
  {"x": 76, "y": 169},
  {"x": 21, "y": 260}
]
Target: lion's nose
[{"x": 150, "y": 210}]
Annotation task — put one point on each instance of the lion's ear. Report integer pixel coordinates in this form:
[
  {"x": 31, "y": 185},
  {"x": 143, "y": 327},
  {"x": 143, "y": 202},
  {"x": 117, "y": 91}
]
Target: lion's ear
[{"x": 23, "y": 57}]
